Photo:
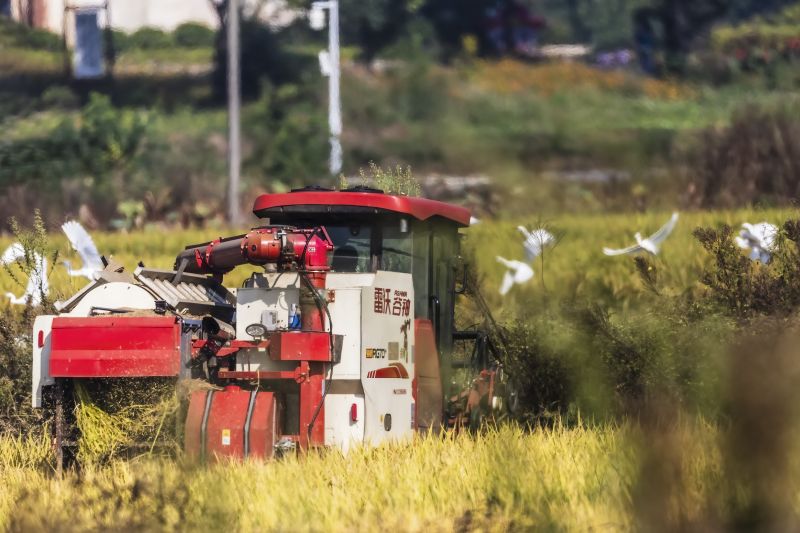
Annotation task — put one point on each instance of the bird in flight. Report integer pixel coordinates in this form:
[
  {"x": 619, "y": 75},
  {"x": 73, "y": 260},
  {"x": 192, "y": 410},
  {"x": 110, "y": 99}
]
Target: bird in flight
[
  {"x": 82, "y": 242},
  {"x": 37, "y": 278},
  {"x": 651, "y": 244},
  {"x": 535, "y": 241},
  {"x": 759, "y": 239},
  {"x": 517, "y": 273}
]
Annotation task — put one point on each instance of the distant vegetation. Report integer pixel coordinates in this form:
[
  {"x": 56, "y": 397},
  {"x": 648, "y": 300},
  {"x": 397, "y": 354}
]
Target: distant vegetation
[{"x": 572, "y": 136}]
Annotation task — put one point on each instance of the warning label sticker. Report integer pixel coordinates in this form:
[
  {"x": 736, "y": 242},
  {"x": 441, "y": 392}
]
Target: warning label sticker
[{"x": 226, "y": 437}]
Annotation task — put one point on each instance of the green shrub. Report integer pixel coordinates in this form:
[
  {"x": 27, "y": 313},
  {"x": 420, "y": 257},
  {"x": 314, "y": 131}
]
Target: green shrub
[
  {"x": 755, "y": 160},
  {"x": 102, "y": 139},
  {"x": 59, "y": 96},
  {"x": 289, "y": 128},
  {"x": 264, "y": 59},
  {"x": 149, "y": 39},
  {"x": 121, "y": 40},
  {"x": 744, "y": 288},
  {"x": 541, "y": 373},
  {"x": 15, "y": 330},
  {"x": 22, "y": 36},
  {"x": 193, "y": 35}
]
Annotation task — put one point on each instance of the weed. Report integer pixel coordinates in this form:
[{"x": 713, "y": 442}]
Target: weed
[{"x": 391, "y": 181}]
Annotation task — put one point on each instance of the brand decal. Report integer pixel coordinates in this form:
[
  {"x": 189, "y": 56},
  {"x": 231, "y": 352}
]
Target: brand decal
[
  {"x": 400, "y": 391},
  {"x": 386, "y": 303},
  {"x": 375, "y": 353}
]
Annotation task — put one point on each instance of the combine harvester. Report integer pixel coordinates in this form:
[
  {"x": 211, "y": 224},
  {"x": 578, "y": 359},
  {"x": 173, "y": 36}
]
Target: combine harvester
[{"x": 346, "y": 337}]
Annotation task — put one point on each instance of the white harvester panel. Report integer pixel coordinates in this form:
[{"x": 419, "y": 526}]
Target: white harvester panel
[
  {"x": 269, "y": 302},
  {"x": 270, "y": 307},
  {"x": 344, "y": 420},
  {"x": 387, "y": 356},
  {"x": 114, "y": 295},
  {"x": 346, "y": 314},
  {"x": 344, "y": 403},
  {"x": 41, "y": 358}
]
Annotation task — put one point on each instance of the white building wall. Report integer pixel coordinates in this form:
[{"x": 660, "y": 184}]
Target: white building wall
[{"x": 130, "y": 15}]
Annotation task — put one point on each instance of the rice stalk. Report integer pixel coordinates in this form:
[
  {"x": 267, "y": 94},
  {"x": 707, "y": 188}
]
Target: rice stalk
[{"x": 101, "y": 434}]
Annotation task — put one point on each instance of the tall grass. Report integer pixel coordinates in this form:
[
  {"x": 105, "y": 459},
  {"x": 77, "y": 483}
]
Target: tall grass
[
  {"x": 578, "y": 478},
  {"x": 587, "y": 477},
  {"x": 576, "y": 264},
  {"x": 578, "y": 267}
]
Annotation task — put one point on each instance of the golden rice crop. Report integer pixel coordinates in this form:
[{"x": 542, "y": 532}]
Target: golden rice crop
[
  {"x": 574, "y": 478},
  {"x": 514, "y": 77},
  {"x": 142, "y": 413},
  {"x": 575, "y": 265},
  {"x": 559, "y": 478}
]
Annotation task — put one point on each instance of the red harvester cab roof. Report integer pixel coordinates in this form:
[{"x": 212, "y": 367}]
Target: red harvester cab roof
[{"x": 276, "y": 205}]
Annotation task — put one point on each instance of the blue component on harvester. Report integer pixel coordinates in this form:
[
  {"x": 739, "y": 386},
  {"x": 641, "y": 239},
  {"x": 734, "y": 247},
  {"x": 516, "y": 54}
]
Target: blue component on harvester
[{"x": 294, "y": 321}]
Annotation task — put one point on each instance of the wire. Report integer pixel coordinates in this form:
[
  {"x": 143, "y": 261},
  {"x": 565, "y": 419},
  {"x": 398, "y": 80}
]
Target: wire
[{"x": 322, "y": 305}]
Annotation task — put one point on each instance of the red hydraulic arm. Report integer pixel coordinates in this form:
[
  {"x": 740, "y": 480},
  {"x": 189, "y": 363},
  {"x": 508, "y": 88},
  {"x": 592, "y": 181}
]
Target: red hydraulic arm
[{"x": 281, "y": 245}]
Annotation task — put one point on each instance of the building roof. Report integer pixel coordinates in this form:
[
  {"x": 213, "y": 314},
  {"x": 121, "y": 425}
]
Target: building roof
[{"x": 275, "y": 205}]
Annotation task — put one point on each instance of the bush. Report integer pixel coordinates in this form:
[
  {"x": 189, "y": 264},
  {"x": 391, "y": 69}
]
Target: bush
[
  {"x": 743, "y": 288},
  {"x": 755, "y": 160},
  {"x": 289, "y": 129},
  {"x": 15, "y": 331},
  {"x": 149, "y": 39},
  {"x": 59, "y": 96},
  {"x": 540, "y": 374},
  {"x": 263, "y": 59},
  {"x": 193, "y": 35},
  {"x": 102, "y": 139},
  {"x": 22, "y": 36},
  {"x": 120, "y": 40},
  {"x": 583, "y": 358}
]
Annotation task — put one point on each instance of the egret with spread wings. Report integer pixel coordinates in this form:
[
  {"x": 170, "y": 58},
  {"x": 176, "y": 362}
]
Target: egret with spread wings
[
  {"x": 651, "y": 244},
  {"x": 535, "y": 241},
  {"x": 82, "y": 242},
  {"x": 759, "y": 239},
  {"x": 37, "y": 286},
  {"x": 518, "y": 273}
]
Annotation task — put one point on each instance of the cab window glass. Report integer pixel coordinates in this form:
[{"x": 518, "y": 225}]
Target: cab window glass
[
  {"x": 351, "y": 248},
  {"x": 397, "y": 249}
]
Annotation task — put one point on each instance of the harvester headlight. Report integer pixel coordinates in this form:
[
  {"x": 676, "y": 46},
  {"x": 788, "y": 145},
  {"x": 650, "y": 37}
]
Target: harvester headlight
[{"x": 256, "y": 330}]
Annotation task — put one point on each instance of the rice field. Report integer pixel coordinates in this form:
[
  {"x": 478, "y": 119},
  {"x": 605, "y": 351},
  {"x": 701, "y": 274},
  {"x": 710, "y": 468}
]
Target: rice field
[
  {"x": 574, "y": 479},
  {"x": 575, "y": 266},
  {"x": 611, "y": 476}
]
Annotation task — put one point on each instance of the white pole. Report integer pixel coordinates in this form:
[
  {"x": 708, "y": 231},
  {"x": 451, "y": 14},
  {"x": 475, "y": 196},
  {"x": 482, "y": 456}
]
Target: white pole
[
  {"x": 234, "y": 143},
  {"x": 334, "y": 99}
]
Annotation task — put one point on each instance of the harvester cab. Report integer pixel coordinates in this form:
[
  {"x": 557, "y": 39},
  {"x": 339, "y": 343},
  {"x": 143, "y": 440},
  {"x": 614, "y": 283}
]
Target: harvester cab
[{"x": 344, "y": 337}]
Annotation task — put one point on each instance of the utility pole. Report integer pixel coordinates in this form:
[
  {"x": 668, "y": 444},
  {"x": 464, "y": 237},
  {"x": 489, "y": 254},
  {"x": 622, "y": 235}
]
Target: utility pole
[
  {"x": 234, "y": 105},
  {"x": 330, "y": 65}
]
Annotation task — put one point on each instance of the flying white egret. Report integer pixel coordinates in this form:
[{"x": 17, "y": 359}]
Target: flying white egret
[
  {"x": 82, "y": 242},
  {"x": 535, "y": 241},
  {"x": 517, "y": 273},
  {"x": 12, "y": 253},
  {"x": 759, "y": 239},
  {"x": 37, "y": 279},
  {"x": 651, "y": 244}
]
